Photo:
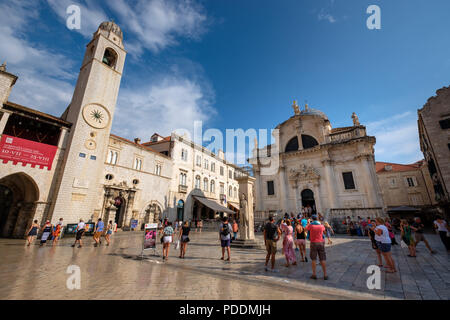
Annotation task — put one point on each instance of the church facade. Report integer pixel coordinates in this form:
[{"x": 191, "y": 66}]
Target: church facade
[{"x": 331, "y": 170}]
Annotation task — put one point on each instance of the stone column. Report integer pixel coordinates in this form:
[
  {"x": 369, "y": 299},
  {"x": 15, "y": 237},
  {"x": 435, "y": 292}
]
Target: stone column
[
  {"x": 283, "y": 190},
  {"x": 330, "y": 183},
  {"x": 246, "y": 190},
  {"x": 4, "y": 120},
  {"x": 317, "y": 198},
  {"x": 297, "y": 209},
  {"x": 129, "y": 209},
  {"x": 369, "y": 187},
  {"x": 258, "y": 190}
]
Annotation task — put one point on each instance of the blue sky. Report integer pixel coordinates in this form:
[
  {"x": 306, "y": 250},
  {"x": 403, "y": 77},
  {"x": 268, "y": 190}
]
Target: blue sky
[{"x": 240, "y": 64}]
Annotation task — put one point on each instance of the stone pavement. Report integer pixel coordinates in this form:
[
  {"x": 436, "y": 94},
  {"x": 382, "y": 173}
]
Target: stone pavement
[{"x": 118, "y": 272}]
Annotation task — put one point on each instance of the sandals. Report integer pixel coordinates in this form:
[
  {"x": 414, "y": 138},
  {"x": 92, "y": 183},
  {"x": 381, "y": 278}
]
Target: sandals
[{"x": 313, "y": 277}]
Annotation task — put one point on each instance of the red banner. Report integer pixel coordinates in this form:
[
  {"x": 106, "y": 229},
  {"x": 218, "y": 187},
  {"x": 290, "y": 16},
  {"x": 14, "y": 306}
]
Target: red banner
[{"x": 25, "y": 151}]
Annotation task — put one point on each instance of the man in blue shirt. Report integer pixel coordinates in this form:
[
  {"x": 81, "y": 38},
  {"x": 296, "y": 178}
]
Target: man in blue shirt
[{"x": 98, "y": 232}]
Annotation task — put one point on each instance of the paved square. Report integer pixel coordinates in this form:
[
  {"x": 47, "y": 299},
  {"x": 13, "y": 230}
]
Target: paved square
[{"x": 117, "y": 272}]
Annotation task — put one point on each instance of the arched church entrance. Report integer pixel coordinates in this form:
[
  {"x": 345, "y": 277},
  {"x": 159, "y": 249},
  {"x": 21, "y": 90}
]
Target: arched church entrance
[
  {"x": 308, "y": 200},
  {"x": 120, "y": 204},
  {"x": 18, "y": 196}
]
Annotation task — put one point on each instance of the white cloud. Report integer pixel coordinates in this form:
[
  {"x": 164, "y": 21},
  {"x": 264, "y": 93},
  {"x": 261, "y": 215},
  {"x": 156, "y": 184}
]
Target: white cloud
[
  {"x": 326, "y": 16},
  {"x": 397, "y": 138},
  {"x": 92, "y": 15},
  {"x": 166, "y": 105},
  {"x": 157, "y": 23},
  {"x": 40, "y": 70}
]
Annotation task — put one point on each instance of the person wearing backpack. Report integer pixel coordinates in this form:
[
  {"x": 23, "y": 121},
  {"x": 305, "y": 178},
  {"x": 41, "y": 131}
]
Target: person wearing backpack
[{"x": 225, "y": 237}]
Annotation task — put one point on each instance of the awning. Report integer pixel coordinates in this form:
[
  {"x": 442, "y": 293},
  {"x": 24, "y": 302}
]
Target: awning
[
  {"x": 213, "y": 205},
  {"x": 234, "y": 206}
]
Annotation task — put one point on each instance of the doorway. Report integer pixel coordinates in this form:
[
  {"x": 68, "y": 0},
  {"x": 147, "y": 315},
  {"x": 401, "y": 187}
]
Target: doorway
[
  {"x": 180, "y": 210},
  {"x": 308, "y": 200},
  {"x": 18, "y": 195},
  {"x": 119, "y": 203}
]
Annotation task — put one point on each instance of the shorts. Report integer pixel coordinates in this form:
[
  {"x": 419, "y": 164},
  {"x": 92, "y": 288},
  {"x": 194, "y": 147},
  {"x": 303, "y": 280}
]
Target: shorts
[
  {"x": 271, "y": 246},
  {"x": 109, "y": 232},
  {"x": 79, "y": 234},
  {"x": 225, "y": 243},
  {"x": 185, "y": 239},
  {"x": 300, "y": 241},
  {"x": 167, "y": 239},
  {"x": 98, "y": 234},
  {"x": 384, "y": 247},
  {"x": 419, "y": 237},
  {"x": 317, "y": 248}
]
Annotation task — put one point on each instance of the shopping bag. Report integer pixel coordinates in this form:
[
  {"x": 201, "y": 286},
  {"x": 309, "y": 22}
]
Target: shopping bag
[
  {"x": 403, "y": 244},
  {"x": 177, "y": 246}
]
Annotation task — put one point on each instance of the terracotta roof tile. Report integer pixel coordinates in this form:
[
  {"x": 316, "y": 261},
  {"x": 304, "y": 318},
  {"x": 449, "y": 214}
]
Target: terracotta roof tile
[{"x": 396, "y": 167}]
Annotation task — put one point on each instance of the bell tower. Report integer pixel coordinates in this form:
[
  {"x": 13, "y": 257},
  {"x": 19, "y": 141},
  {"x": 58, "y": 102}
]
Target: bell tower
[{"x": 78, "y": 190}]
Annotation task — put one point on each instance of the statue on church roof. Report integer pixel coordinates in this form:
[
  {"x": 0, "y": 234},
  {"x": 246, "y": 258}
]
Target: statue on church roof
[
  {"x": 296, "y": 108},
  {"x": 3, "y": 66},
  {"x": 355, "y": 119}
]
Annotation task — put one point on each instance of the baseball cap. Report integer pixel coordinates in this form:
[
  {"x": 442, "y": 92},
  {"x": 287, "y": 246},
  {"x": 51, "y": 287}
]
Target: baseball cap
[{"x": 314, "y": 217}]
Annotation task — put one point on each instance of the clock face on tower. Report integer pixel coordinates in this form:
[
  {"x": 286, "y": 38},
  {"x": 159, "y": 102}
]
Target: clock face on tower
[{"x": 96, "y": 116}]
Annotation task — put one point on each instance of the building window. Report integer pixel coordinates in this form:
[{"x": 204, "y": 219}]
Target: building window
[
  {"x": 158, "y": 168},
  {"x": 199, "y": 161},
  {"x": 416, "y": 199},
  {"x": 445, "y": 124},
  {"x": 197, "y": 182},
  {"x": 230, "y": 192},
  {"x": 230, "y": 174},
  {"x": 183, "y": 178},
  {"x": 235, "y": 193},
  {"x": 184, "y": 154},
  {"x": 82, "y": 155},
  {"x": 212, "y": 187},
  {"x": 222, "y": 188},
  {"x": 349, "y": 183},
  {"x": 206, "y": 164},
  {"x": 137, "y": 164},
  {"x": 221, "y": 171},
  {"x": 308, "y": 142},
  {"x": 135, "y": 182},
  {"x": 213, "y": 167},
  {"x": 411, "y": 182},
  {"x": 93, "y": 158},
  {"x": 109, "y": 177},
  {"x": 112, "y": 157},
  {"x": 270, "y": 188},
  {"x": 110, "y": 58},
  {"x": 392, "y": 182},
  {"x": 205, "y": 185}
]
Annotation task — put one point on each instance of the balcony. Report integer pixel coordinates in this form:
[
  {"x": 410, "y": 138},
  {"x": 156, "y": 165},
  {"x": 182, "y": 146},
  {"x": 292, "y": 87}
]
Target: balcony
[{"x": 182, "y": 189}]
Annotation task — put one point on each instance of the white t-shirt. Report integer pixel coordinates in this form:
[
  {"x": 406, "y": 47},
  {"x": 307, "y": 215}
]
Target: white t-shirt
[
  {"x": 81, "y": 225},
  {"x": 441, "y": 226},
  {"x": 384, "y": 237}
]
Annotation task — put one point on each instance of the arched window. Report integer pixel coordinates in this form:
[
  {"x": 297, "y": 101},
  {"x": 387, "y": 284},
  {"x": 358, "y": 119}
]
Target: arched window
[
  {"x": 205, "y": 185},
  {"x": 292, "y": 145},
  {"x": 308, "y": 142},
  {"x": 235, "y": 193},
  {"x": 230, "y": 192},
  {"x": 197, "y": 182},
  {"x": 183, "y": 179},
  {"x": 110, "y": 156},
  {"x": 110, "y": 58},
  {"x": 212, "y": 187},
  {"x": 114, "y": 157}
]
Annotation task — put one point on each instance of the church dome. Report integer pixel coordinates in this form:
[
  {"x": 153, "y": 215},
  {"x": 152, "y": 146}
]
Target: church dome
[
  {"x": 110, "y": 26},
  {"x": 314, "y": 112}
]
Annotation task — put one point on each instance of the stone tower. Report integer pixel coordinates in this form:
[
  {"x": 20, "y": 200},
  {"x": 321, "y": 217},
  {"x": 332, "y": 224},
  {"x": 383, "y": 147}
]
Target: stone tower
[{"x": 91, "y": 111}]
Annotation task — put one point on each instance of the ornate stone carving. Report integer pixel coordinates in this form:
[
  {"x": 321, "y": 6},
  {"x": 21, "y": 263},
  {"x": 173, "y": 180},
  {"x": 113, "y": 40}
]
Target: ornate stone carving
[
  {"x": 304, "y": 173},
  {"x": 296, "y": 108}
]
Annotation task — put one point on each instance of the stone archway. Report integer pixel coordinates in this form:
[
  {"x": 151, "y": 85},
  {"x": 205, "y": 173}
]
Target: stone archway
[
  {"x": 19, "y": 194},
  {"x": 152, "y": 213}
]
